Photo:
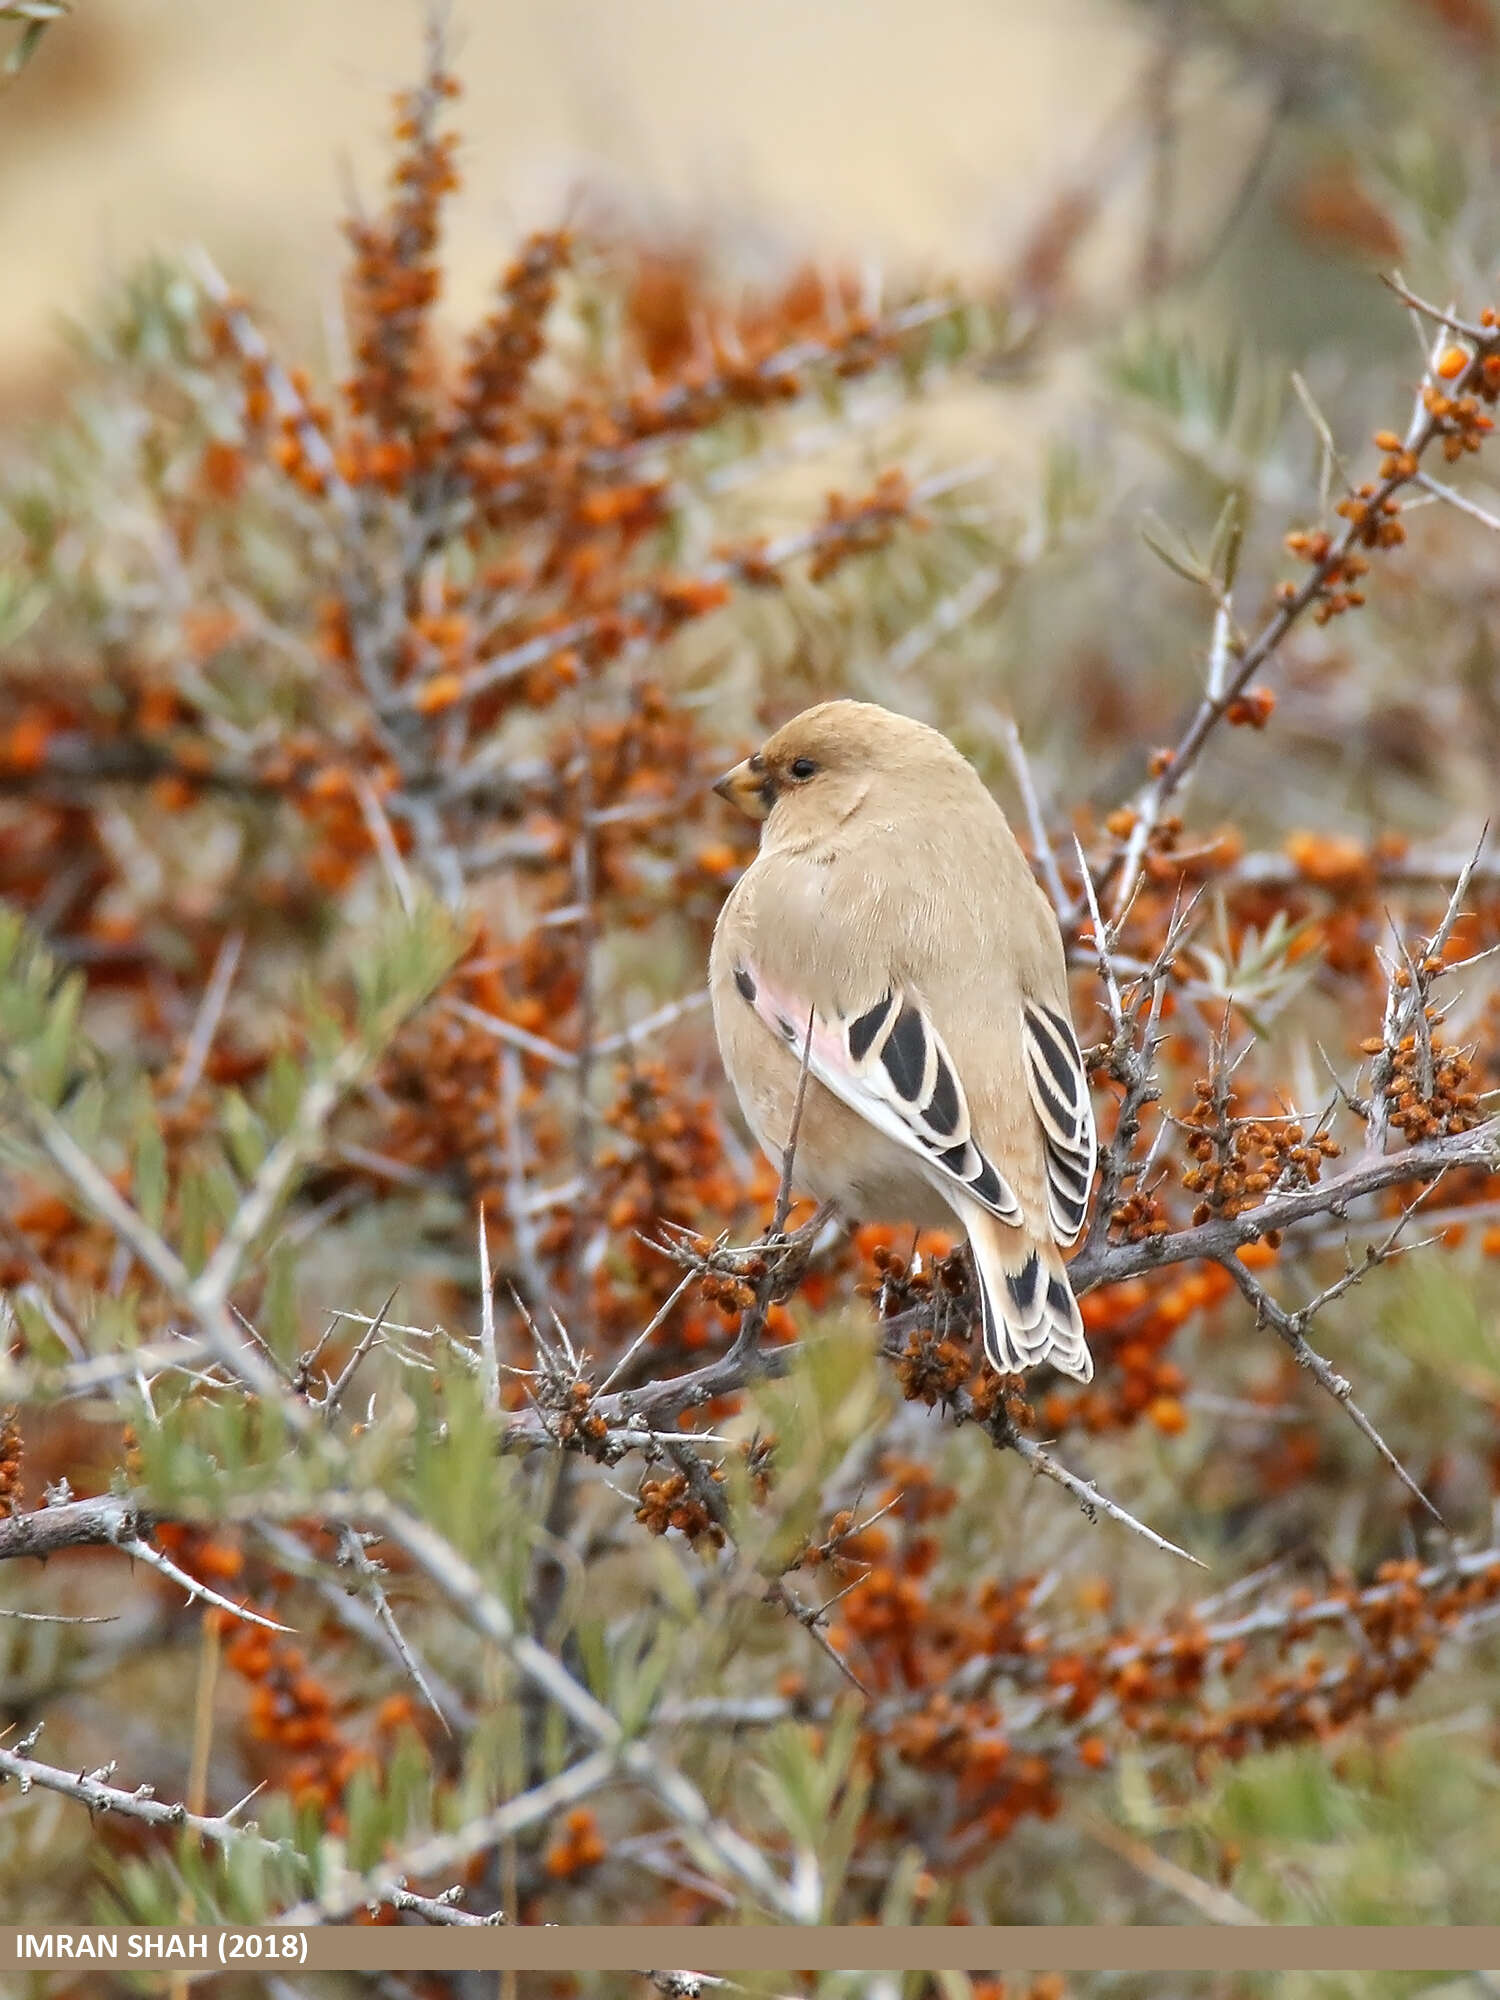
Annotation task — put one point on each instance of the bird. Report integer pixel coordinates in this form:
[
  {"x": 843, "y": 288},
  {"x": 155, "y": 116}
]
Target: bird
[{"x": 890, "y": 940}]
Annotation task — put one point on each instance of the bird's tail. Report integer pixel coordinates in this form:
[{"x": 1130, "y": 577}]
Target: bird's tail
[{"x": 1029, "y": 1312}]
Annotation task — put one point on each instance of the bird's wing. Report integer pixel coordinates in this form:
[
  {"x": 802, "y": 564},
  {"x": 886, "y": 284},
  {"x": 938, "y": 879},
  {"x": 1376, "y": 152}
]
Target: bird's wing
[
  {"x": 1059, "y": 1088},
  {"x": 889, "y": 1064}
]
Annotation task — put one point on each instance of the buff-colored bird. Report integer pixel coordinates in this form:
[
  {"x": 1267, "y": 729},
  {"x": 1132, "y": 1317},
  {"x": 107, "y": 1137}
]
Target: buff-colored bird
[{"x": 891, "y": 927}]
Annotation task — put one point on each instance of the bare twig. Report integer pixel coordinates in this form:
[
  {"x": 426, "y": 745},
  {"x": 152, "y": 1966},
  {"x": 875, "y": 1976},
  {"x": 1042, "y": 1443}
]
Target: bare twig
[
  {"x": 518, "y": 1038},
  {"x": 1459, "y": 500},
  {"x": 436, "y": 1909},
  {"x": 1084, "y": 1491},
  {"x": 111, "y": 1519},
  {"x": 1288, "y": 1328},
  {"x": 1213, "y": 1904},
  {"x": 352, "y": 1550},
  {"x": 206, "y": 1023},
  {"x": 366, "y": 1341},
  {"x": 143, "y": 1552},
  {"x": 364, "y": 1620},
  {"x": 93, "y": 1790},
  {"x": 55, "y": 1617},
  {"x": 657, "y": 1320},
  {"x": 1250, "y": 657},
  {"x": 489, "y": 1372},
  {"x": 1041, "y": 844}
]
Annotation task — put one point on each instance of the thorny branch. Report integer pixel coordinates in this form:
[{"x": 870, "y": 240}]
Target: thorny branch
[
  {"x": 93, "y": 1790},
  {"x": 1443, "y": 410}
]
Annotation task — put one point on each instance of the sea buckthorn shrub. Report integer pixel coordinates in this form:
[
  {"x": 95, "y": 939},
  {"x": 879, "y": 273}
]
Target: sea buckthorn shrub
[{"x": 477, "y": 1451}]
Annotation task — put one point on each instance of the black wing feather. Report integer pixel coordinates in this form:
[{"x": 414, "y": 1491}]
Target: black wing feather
[{"x": 1058, "y": 1084}]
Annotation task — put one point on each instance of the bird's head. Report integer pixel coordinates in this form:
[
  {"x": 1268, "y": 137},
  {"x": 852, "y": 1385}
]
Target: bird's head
[{"x": 821, "y": 767}]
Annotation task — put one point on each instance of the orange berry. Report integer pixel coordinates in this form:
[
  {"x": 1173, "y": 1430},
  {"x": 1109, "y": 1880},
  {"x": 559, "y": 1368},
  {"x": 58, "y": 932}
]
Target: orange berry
[
  {"x": 1256, "y": 1255},
  {"x": 1168, "y": 1415},
  {"x": 717, "y": 859},
  {"x": 172, "y": 794},
  {"x": 26, "y": 745},
  {"x": 441, "y": 692}
]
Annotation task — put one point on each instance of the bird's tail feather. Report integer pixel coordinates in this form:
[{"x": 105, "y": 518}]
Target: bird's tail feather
[{"x": 1027, "y": 1306}]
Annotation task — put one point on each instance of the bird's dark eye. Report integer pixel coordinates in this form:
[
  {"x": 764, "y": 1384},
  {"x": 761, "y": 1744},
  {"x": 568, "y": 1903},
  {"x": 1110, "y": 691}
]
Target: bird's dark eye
[{"x": 802, "y": 767}]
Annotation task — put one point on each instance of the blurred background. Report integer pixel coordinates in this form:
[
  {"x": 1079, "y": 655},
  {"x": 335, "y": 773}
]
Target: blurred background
[{"x": 930, "y": 138}]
